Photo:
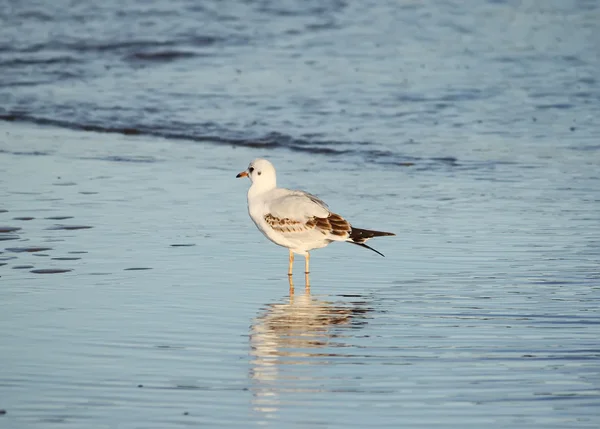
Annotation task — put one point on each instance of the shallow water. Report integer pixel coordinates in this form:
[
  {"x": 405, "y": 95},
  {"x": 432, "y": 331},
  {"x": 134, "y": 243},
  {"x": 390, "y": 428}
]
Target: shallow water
[
  {"x": 483, "y": 312},
  {"x": 135, "y": 291}
]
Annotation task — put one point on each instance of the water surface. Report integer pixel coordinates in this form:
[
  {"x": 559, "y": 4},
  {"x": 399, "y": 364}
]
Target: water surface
[{"x": 135, "y": 291}]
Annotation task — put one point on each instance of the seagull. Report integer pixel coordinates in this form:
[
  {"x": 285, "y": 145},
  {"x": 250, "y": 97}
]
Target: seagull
[{"x": 296, "y": 219}]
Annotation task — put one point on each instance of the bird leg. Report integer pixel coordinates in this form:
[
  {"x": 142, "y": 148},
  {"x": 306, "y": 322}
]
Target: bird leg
[
  {"x": 291, "y": 287},
  {"x": 307, "y": 283},
  {"x": 291, "y": 267},
  {"x": 306, "y": 263}
]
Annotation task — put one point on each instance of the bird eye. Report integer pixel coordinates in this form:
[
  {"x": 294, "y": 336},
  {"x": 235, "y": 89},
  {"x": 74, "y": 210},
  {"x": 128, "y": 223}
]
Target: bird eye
[
  {"x": 259, "y": 173},
  {"x": 251, "y": 169}
]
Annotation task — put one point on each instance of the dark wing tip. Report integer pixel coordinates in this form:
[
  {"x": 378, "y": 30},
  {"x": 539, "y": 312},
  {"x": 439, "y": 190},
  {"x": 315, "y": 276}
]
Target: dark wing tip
[
  {"x": 361, "y": 235},
  {"x": 368, "y": 247}
]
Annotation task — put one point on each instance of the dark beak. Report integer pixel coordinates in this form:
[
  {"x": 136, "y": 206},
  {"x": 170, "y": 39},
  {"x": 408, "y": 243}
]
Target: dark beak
[{"x": 242, "y": 174}]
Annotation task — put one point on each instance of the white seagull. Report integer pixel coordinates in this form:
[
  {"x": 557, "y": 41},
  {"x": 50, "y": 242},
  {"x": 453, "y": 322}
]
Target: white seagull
[{"x": 296, "y": 219}]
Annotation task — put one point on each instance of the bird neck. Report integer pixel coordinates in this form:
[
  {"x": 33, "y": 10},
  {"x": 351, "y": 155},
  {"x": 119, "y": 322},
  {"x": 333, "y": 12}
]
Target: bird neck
[{"x": 261, "y": 187}]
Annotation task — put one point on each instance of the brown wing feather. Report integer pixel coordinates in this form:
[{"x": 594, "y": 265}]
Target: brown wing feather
[
  {"x": 333, "y": 224},
  {"x": 286, "y": 224}
]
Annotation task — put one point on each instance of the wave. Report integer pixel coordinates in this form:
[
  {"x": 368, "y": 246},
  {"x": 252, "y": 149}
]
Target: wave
[{"x": 359, "y": 151}]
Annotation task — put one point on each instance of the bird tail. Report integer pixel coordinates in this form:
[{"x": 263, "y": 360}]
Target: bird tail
[{"x": 359, "y": 236}]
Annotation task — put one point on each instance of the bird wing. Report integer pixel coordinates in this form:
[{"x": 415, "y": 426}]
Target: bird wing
[
  {"x": 297, "y": 206},
  {"x": 297, "y": 211}
]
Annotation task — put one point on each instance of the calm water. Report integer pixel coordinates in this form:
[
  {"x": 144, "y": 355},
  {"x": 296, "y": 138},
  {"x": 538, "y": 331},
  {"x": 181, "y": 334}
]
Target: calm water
[{"x": 136, "y": 293}]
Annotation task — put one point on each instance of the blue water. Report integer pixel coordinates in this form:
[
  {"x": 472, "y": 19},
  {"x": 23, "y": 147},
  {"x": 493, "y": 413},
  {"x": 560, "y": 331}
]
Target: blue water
[{"x": 135, "y": 292}]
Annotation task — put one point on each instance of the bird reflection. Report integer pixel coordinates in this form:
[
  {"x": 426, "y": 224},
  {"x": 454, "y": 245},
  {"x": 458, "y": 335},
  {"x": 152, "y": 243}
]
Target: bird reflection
[{"x": 300, "y": 330}]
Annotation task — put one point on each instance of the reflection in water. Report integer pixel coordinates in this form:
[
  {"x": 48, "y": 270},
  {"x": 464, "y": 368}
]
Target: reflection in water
[{"x": 302, "y": 330}]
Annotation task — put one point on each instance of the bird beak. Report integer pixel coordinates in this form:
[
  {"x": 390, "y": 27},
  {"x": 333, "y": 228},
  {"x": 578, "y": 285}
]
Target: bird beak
[{"x": 242, "y": 174}]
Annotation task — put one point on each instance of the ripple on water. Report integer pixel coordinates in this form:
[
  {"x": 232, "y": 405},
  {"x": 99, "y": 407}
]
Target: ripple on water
[
  {"x": 6, "y": 237},
  {"x": 51, "y": 270},
  {"x": 64, "y": 184},
  {"x": 68, "y": 227},
  {"x": 126, "y": 158},
  {"x": 29, "y": 249},
  {"x": 5, "y": 229}
]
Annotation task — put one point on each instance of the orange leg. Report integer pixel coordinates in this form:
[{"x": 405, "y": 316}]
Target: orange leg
[
  {"x": 291, "y": 267},
  {"x": 306, "y": 263}
]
